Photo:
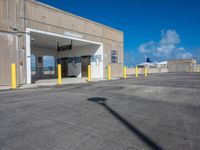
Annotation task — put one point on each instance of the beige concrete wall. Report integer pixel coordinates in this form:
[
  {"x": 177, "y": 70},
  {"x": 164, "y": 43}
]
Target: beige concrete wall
[
  {"x": 8, "y": 56},
  {"x": 197, "y": 68},
  {"x": 11, "y": 15},
  {"x": 181, "y": 66},
  {"x": 116, "y": 68},
  {"x": 7, "y": 14},
  {"x": 3, "y": 15},
  {"x": 43, "y": 17},
  {"x": 12, "y": 46}
]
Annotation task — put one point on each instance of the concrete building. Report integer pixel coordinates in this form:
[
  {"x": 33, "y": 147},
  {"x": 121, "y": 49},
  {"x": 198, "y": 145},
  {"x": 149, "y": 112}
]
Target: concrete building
[
  {"x": 182, "y": 65},
  {"x": 31, "y": 31}
]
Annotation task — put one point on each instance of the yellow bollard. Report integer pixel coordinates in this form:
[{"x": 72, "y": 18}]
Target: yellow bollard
[
  {"x": 125, "y": 72},
  {"x": 136, "y": 72},
  {"x": 109, "y": 72},
  {"x": 59, "y": 75},
  {"x": 89, "y": 73},
  {"x": 14, "y": 79},
  {"x": 145, "y": 71}
]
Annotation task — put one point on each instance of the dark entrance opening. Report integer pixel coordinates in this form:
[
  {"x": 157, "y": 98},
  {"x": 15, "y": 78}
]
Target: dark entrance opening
[
  {"x": 64, "y": 63},
  {"x": 85, "y": 61}
]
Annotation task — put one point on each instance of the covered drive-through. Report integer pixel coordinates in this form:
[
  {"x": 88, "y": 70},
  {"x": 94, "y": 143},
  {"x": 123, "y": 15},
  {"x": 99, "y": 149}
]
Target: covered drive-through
[{"x": 45, "y": 50}]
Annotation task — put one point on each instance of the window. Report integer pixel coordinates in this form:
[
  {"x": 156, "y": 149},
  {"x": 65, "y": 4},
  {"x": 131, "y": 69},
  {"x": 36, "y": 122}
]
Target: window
[
  {"x": 114, "y": 56},
  {"x": 48, "y": 65},
  {"x": 33, "y": 65}
]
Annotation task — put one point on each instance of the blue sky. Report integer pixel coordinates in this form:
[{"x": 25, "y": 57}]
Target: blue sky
[{"x": 159, "y": 29}]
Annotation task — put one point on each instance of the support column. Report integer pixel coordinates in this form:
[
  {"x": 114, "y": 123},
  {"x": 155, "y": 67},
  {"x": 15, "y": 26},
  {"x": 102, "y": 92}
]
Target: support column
[{"x": 28, "y": 59}]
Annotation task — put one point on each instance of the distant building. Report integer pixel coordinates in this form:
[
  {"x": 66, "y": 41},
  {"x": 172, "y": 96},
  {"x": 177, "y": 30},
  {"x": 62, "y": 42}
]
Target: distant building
[
  {"x": 182, "y": 65},
  {"x": 153, "y": 64}
]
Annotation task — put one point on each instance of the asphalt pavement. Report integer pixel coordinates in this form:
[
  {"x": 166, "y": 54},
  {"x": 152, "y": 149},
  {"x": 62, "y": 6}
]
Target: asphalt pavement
[{"x": 158, "y": 112}]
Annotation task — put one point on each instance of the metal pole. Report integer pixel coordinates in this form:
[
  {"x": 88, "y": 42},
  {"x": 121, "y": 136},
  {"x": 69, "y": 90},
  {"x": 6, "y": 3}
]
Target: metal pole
[
  {"x": 59, "y": 75},
  {"x": 89, "y": 73},
  {"x": 136, "y": 72},
  {"x": 14, "y": 81},
  {"x": 109, "y": 72},
  {"x": 125, "y": 76}
]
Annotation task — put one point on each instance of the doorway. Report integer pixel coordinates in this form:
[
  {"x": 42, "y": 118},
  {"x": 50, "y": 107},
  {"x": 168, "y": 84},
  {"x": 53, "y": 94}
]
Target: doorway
[
  {"x": 64, "y": 63},
  {"x": 85, "y": 61},
  {"x": 43, "y": 43}
]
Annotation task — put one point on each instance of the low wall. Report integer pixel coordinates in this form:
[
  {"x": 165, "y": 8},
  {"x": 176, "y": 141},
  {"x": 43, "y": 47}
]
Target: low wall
[
  {"x": 197, "y": 68},
  {"x": 131, "y": 71}
]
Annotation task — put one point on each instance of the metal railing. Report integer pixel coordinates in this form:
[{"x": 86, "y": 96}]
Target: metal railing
[{"x": 43, "y": 73}]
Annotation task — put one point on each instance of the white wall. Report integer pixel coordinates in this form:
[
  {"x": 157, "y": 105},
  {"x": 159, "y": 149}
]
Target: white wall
[{"x": 97, "y": 65}]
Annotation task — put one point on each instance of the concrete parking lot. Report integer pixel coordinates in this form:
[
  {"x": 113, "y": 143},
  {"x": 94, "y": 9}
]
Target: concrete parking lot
[{"x": 157, "y": 112}]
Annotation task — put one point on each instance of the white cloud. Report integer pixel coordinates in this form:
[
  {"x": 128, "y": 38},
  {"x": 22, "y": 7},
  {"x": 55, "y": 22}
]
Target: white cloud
[
  {"x": 185, "y": 55},
  {"x": 170, "y": 37},
  {"x": 181, "y": 48},
  {"x": 147, "y": 47},
  {"x": 166, "y": 48}
]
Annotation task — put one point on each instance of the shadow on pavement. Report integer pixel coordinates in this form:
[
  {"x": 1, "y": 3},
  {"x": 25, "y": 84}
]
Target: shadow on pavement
[{"x": 146, "y": 140}]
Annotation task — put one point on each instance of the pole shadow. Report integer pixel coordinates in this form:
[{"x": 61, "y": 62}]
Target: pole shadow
[{"x": 146, "y": 140}]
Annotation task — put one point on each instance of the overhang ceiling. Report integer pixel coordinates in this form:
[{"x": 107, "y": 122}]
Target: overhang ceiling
[{"x": 47, "y": 41}]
